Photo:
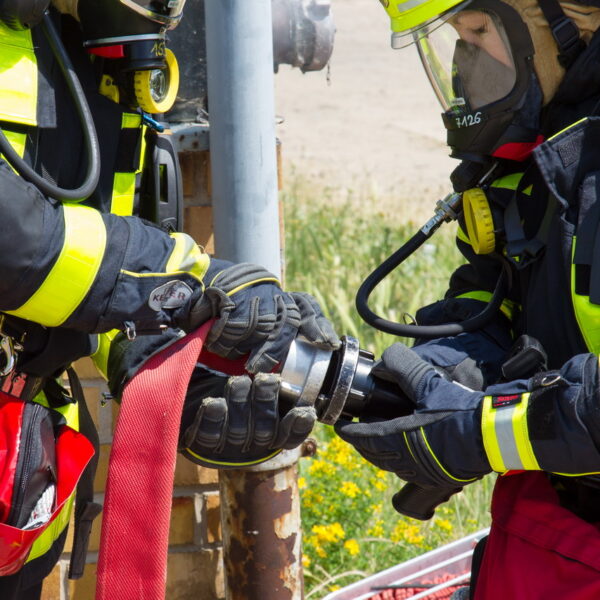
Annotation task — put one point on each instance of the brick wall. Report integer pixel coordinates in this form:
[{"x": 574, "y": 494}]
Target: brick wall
[{"x": 195, "y": 569}]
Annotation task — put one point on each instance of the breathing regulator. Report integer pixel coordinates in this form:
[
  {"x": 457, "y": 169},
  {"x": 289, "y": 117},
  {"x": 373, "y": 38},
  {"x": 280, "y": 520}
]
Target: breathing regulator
[{"x": 141, "y": 72}]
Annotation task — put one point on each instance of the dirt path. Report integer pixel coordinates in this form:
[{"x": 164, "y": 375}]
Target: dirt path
[{"x": 375, "y": 128}]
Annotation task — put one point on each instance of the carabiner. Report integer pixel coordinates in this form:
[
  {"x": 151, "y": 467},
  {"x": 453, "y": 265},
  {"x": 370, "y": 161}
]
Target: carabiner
[{"x": 8, "y": 349}]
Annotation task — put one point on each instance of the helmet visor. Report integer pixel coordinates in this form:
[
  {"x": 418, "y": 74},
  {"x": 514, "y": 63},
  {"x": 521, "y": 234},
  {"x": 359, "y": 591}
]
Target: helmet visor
[
  {"x": 166, "y": 12},
  {"x": 468, "y": 60}
]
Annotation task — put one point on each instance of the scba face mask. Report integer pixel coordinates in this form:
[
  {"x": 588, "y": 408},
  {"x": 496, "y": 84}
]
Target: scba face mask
[{"x": 478, "y": 58}]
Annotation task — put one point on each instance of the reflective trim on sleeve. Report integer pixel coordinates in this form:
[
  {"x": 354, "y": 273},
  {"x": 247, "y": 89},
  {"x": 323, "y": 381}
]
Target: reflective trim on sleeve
[
  {"x": 506, "y": 434},
  {"x": 73, "y": 273},
  {"x": 187, "y": 256}
]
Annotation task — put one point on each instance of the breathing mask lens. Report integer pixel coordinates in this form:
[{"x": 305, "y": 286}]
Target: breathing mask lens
[
  {"x": 468, "y": 60},
  {"x": 165, "y": 12}
]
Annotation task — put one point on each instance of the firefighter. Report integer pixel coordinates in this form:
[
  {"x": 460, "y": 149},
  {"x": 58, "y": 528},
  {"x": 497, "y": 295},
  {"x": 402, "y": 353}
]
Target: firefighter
[
  {"x": 519, "y": 84},
  {"x": 81, "y": 274}
]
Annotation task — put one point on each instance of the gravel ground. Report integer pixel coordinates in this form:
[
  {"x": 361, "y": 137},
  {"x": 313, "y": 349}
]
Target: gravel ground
[{"x": 371, "y": 123}]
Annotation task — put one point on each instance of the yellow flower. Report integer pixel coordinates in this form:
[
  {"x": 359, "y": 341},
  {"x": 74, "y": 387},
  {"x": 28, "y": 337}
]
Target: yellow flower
[
  {"x": 352, "y": 547},
  {"x": 305, "y": 561},
  {"x": 443, "y": 524},
  {"x": 350, "y": 489},
  {"x": 377, "y": 529},
  {"x": 413, "y": 536},
  {"x": 321, "y": 467},
  {"x": 301, "y": 483},
  {"x": 334, "y": 587},
  {"x": 379, "y": 485},
  {"x": 329, "y": 533}
]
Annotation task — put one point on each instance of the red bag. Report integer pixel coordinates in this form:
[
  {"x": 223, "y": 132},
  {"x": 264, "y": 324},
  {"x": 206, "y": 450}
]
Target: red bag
[
  {"x": 536, "y": 548},
  {"x": 41, "y": 461}
]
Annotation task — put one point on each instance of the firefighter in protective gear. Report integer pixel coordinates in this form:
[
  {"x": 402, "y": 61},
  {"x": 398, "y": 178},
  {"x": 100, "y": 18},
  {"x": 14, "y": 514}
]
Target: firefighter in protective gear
[
  {"x": 85, "y": 275},
  {"x": 520, "y": 90}
]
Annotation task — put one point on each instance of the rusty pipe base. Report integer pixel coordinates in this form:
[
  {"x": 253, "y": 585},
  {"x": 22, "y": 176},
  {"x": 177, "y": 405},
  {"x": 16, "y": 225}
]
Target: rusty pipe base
[{"x": 260, "y": 512}]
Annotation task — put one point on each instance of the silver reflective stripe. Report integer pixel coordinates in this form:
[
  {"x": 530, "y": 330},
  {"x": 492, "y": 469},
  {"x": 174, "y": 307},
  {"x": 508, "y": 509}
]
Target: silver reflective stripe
[
  {"x": 409, "y": 4},
  {"x": 505, "y": 434}
]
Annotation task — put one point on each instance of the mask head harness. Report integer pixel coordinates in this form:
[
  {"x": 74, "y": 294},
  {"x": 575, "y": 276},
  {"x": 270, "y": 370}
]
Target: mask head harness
[{"x": 483, "y": 74}]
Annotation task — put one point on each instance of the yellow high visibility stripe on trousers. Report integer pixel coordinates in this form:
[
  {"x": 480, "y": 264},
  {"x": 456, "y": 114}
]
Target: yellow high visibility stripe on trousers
[
  {"x": 506, "y": 435},
  {"x": 73, "y": 274}
]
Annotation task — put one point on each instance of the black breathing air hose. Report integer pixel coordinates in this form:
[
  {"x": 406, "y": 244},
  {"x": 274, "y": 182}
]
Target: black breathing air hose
[
  {"x": 89, "y": 132},
  {"x": 423, "y": 331}
]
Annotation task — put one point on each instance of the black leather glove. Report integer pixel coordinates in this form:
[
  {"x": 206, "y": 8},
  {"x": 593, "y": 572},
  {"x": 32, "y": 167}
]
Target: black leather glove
[
  {"x": 439, "y": 444},
  {"x": 238, "y": 422},
  {"x": 255, "y": 316},
  {"x": 549, "y": 422}
]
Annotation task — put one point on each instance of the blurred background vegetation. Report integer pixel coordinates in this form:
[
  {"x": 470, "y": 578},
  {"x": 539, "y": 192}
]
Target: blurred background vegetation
[{"x": 349, "y": 526}]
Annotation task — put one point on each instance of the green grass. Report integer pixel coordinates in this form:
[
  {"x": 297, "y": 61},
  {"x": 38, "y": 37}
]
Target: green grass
[{"x": 350, "y": 528}]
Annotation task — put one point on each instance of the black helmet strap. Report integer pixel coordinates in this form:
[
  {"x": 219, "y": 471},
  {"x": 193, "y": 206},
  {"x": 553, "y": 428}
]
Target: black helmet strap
[{"x": 564, "y": 32}]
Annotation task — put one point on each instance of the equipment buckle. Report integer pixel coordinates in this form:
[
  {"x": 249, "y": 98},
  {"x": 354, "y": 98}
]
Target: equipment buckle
[{"x": 7, "y": 347}]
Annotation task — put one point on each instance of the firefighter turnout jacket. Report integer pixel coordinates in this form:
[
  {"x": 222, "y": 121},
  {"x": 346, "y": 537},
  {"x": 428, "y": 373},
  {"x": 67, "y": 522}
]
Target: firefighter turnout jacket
[
  {"x": 76, "y": 269},
  {"x": 546, "y": 216}
]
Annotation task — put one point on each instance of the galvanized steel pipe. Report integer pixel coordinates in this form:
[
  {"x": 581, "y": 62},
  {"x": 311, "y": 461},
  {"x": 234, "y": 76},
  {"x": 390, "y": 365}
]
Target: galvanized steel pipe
[
  {"x": 260, "y": 509},
  {"x": 241, "y": 107}
]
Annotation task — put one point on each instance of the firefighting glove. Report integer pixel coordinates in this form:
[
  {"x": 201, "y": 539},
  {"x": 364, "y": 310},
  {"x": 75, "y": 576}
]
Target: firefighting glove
[
  {"x": 550, "y": 422},
  {"x": 255, "y": 316},
  {"x": 236, "y": 422}
]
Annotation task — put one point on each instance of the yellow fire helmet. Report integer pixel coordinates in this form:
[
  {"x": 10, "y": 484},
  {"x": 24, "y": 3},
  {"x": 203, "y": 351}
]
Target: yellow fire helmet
[{"x": 408, "y": 16}]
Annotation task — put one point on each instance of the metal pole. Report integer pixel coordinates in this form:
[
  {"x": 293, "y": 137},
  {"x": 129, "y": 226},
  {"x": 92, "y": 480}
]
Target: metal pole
[
  {"x": 241, "y": 107},
  {"x": 260, "y": 508},
  {"x": 260, "y": 514}
]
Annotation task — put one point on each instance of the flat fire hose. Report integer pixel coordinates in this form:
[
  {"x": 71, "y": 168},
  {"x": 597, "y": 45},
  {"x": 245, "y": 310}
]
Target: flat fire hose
[{"x": 132, "y": 562}]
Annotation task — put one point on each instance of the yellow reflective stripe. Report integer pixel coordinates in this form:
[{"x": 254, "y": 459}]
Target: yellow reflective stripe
[
  {"x": 69, "y": 410},
  {"x": 490, "y": 442},
  {"x": 521, "y": 433},
  {"x": 407, "y": 444},
  {"x": 247, "y": 463},
  {"x": 506, "y": 436},
  {"x": 567, "y": 128},
  {"x": 439, "y": 463},
  {"x": 53, "y": 531},
  {"x": 131, "y": 121},
  {"x": 18, "y": 77},
  {"x": 74, "y": 271},
  {"x": 508, "y": 182},
  {"x": 143, "y": 147},
  {"x": 123, "y": 194},
  {"x": 187, "y": 256},
  {"x": 586, "y": 313},
  {"x": 507, "y": 307},
  {"x": 250, "y": 283},
  {"x": 17, "y": 141},
  {"x": 100, "y": 357}
]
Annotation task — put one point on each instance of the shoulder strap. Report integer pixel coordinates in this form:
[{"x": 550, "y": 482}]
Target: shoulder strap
[{"x": 86, "y": 510}]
